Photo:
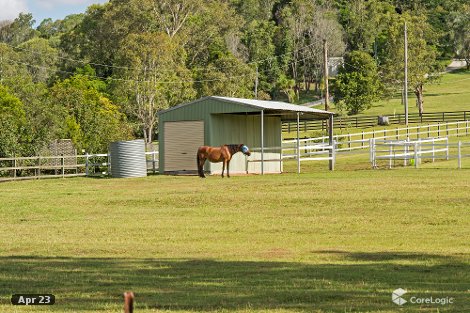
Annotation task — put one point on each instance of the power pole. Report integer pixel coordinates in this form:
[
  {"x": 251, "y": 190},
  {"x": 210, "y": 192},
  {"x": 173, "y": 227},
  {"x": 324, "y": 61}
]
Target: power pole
[
  {"x": 406, "y": 76},
  {"x": 327, "y": 93},
  {"x": 256, "y": 82}
]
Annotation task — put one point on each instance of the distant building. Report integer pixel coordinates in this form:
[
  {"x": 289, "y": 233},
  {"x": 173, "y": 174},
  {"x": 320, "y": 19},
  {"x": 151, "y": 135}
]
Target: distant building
[{"x": 334, "y": 65}]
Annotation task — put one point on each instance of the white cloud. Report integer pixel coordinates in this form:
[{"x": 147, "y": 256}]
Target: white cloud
[{"x": 11, "y": 8}]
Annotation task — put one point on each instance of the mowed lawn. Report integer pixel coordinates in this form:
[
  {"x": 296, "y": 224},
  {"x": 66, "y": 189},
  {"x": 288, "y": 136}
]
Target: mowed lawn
[
  {"x": 318, "y": 242},
  {"x": 450, "y": 93}
]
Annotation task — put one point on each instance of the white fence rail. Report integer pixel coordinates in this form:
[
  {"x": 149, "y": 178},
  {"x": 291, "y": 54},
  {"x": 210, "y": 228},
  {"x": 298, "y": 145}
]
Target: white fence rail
[
  {"x": 357, "y": 141},
  {"x": 413, "y": 152},
  {"x": 39, "y": 167},
  {"x": 311, "y": 152}
]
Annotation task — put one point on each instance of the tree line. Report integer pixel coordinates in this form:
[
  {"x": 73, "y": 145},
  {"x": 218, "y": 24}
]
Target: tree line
[{"x": 103, "y": 75}]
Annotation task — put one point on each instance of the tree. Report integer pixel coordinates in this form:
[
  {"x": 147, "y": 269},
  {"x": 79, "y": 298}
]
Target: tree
[
  {"x": 12, "y": 121},
  {"x": 461, "y": 37},
  {"x": 174, "y": 14},
  {"x": 362, "y": 22},
  {"x": 226, "y": 76},
  {"x": 259, "y": 39},
  {"x": 91, "y": 120},
  {"x": 422, "y": 65},
  {"x": 286, "y": 86},
  {"x": 308, "y": 24},
  {"x": 41, "y": 57},
  {"x": 357, "y": 84},
  {"x": 324, "y": 27},
  {"x": 20, "y": 30},
  {"x": 152, "y": 77}
]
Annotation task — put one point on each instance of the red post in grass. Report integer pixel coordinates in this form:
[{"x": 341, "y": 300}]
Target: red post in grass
[{"x": 128, "y": 302}]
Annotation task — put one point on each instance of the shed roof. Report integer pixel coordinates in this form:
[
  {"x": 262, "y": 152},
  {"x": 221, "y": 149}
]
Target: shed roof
[{"x": 286, "y": 111}]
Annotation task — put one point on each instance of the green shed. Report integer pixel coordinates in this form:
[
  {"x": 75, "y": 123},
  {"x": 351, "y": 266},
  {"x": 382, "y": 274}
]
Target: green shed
[{"x": 215, "y": 121}]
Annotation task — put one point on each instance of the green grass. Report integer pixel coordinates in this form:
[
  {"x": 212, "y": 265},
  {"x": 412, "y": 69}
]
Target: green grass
[
  {"x": 450, "y": 93},
  {"x": 317, "y": 242}
]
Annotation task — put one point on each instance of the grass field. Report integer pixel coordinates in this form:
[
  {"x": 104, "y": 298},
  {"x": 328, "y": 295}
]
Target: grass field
[
  {"x": 450, "y": 93},
  {"x": 318, "y": 242}
]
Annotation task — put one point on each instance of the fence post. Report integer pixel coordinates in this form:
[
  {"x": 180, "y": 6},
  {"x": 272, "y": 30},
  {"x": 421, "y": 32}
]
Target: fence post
[
  {"x": 109, "y": 164},
  {"x": 62, "y": 163},
  {"x": 447, "y": 129},
  {"x": 349, "y": 141},
  {"x": 466, "y": 128},
  {"x": 153, "y": 162},
  {"x": 371, "y": 152},
  {"x": 429, "y": 131},
  {"x": 433, "y": 151},
  {"x": 460, "y": 154},
  {"x": 39, "y": 167},
  {"x": 405, "y": 159},
  {"x": 416, "y": 154},
  {"x": 458, "y": 126},
  {"x": 333, "y": 153},
  {"x": 390, "y": 157},
  {"x": 14, "y": 170},
  {"x": 438, "y": 130},
  {"x": 443, "y": 117},
  {"x": 87, "y": 161},
  {"x": 397, "y": 134},
  {"x": 447, "y": 151},
  {"x": 362, "y": 140}
]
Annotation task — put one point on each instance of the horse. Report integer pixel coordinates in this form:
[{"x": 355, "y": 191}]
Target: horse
[{"x": 219, "y": 154}]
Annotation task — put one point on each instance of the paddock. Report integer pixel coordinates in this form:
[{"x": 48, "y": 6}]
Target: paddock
[{"x": 215, "y": 121}]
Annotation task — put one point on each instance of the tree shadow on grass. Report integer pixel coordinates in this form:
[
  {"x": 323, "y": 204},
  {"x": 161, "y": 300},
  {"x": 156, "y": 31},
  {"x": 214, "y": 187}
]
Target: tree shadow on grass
[{"x": 362, "y": 282}]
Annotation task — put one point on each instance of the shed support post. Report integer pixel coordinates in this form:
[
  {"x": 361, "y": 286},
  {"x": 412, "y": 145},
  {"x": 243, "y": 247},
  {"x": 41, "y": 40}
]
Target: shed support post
[
  {"x": 298, "y": 143},
  {"x": 331, "y": 143},
  {"x": 262, "y": 142}
]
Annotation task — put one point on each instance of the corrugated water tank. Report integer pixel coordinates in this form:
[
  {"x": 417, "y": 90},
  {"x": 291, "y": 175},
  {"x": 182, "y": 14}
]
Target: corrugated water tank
[{"x": 128, "y": 159}]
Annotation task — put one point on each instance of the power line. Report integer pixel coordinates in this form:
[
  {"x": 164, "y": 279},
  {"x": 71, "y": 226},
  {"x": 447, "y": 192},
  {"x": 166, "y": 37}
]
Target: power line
[
  {"x": 127, "y": 80},
  {"x": 257, "y": 62},
  {"x": 134, "y": 80}
]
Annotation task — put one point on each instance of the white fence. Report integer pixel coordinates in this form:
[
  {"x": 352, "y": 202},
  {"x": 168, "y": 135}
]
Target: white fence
[
  {"x": 357, "y": 141},
  {"x": 40, "y": 167},
  {"x": 413, "y": 152},
  {"x": 289, "y": 150}
]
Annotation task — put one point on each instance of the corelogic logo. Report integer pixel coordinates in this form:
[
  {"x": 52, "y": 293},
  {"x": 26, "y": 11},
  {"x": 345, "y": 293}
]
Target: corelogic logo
[{"x": 397, "y": 296}]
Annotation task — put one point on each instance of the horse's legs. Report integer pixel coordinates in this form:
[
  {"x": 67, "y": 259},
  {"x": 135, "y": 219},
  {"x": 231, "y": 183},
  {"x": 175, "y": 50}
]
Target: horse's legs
[
  {"x": 200, "y": 165},
  {"x": 223, "y": 168},
  {"x": 228, "y": 172}
]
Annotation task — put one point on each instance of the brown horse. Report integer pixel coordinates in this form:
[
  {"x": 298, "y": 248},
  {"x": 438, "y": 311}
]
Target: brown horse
[{"x": 218, "y": 154}]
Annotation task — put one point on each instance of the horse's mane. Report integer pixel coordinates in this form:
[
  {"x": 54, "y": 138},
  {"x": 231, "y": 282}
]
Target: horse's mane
[{"x": 233, "y": 148}]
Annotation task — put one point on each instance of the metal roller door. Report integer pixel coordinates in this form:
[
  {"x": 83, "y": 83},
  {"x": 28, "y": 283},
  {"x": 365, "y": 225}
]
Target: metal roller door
[{"x": 181, "y": 141}]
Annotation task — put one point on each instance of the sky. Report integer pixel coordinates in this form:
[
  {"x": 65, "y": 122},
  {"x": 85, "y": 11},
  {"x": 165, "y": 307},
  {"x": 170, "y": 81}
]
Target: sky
[{"x": 41, "y": 9}]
